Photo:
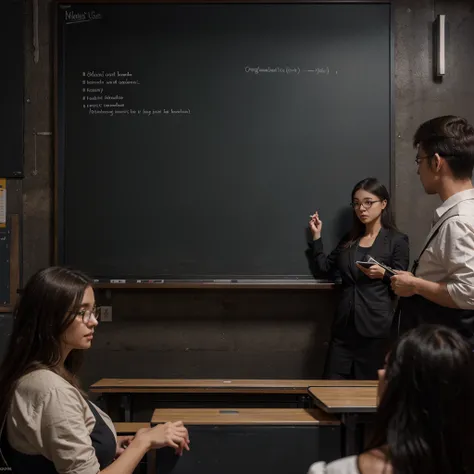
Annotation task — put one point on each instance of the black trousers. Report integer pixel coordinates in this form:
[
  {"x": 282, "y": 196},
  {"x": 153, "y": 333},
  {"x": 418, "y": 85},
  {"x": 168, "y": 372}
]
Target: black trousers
[{"x": 355, "y": 357}]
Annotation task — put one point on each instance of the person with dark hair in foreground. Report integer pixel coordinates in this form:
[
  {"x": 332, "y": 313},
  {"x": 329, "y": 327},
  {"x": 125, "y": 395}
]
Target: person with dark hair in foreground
[
  {"x": 440, "y": 288},
  {"x": 425, "y": 417},
  {"x": 47, "y": 424},
  {"x": 361, "y": 328}
]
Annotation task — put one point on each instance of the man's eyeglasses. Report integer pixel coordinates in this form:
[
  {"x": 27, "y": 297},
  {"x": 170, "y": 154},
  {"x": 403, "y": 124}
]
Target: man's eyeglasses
[
  {"x": 367, "y": 204},
  {"x": 86, "y": 314},
  {"x": 419, "y": 159}
]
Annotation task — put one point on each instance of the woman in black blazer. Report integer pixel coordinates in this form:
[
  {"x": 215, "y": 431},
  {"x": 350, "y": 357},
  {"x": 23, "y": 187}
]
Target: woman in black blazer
[{"x": 361, "y": 328}]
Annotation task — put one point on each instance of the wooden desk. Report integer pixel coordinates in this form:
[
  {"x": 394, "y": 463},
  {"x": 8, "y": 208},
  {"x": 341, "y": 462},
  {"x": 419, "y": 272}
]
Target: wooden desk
[
  {"x": 123, "y": 428},
  {"x": 209, "y": 385},
  {"x": 125, "y": 389},
  {"x": 251, "y": 440},
  {"x": 244, "y": 416},
  {"x": 350, "y": 402},
  {"x": 345, "y": 383},
  {"x": 340, "y": 399}
]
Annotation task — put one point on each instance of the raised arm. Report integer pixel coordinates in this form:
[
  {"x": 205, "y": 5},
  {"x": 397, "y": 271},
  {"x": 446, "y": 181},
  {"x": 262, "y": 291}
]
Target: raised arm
[
  {"x": 324, "y": 264},
  {"x": 320, "y": 262}
]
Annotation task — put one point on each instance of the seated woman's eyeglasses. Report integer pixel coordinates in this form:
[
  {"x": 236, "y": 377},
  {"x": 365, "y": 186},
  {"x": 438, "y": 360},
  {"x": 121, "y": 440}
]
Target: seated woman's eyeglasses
[
  {"x": 86, "y": 314},
  {"x": 366, "y": 203}
]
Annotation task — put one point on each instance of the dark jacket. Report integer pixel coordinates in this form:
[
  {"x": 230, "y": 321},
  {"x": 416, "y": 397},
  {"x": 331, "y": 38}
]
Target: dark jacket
[{"x": 369, "y": 300}]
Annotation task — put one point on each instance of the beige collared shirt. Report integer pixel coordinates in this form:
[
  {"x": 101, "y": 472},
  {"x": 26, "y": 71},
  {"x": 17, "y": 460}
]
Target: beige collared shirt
[
  {"x": 49, "y": 416},
  {"x": 449, "y": 257}
]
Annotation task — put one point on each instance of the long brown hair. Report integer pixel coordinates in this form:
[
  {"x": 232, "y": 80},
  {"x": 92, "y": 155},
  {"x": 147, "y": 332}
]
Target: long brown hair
[
  {"x": 372, "y": 186},
  {"x": 426, "y": 412},
  {"x": 46, "y": 308}
]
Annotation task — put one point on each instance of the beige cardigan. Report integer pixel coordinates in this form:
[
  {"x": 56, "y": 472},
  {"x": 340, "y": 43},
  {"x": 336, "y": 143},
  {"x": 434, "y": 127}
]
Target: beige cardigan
[{"x": 50, "y": 417}]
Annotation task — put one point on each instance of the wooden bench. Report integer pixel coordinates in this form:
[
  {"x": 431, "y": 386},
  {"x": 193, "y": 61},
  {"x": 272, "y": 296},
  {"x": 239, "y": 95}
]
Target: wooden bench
[
  {"x": 250, "y": 440},
  {"x": 120, "y": 392}
]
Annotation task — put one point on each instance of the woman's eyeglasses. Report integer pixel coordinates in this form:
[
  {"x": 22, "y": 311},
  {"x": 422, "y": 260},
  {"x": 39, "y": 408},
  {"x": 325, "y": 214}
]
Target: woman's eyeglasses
[
  {"x": 86, "y": 314},
  {"x": 367, "y": 204}
]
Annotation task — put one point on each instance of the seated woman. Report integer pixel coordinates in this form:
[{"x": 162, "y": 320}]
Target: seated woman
[
  {"x": 425, "y": 418},
  {"x": 47, "y": 424}
]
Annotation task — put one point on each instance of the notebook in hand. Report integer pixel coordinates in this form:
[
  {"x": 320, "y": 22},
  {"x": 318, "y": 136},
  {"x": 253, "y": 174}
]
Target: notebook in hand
[{"x": 385, "y": 267}]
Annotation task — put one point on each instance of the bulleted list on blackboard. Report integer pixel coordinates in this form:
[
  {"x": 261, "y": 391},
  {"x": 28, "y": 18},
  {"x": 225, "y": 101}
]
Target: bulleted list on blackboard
[{"x": 105, "y": 93}]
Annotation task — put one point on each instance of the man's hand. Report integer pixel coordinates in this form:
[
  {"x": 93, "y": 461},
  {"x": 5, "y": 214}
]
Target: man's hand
[{"x": 404, "y": 283}]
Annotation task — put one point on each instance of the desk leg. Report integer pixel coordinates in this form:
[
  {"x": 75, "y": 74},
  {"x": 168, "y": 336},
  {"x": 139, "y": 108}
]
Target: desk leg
[
  {"x": 349, "y": 421},
  {"x": 127, "y": 407},
  {"x": 303, "y": 401},
  {"x": 102, "y": 402},
  {"x": 112, "y": 405}
]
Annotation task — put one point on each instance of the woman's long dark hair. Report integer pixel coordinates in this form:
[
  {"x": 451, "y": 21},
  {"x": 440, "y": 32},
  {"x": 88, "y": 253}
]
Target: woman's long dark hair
[
  {"x": 426, "y": 413},
  {"x": 44, "y": 311},
  {"x": 373, "y": 186}
]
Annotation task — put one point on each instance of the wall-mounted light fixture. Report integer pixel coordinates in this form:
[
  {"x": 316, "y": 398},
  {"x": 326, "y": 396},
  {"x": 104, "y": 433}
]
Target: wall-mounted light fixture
[{"x": 440, "y": 33}]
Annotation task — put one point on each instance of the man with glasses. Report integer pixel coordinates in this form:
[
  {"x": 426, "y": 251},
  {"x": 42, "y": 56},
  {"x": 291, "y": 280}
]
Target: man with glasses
[{"x": 440, "y": 288}]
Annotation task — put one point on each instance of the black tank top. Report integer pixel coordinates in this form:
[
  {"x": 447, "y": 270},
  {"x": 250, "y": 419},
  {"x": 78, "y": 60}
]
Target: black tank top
[{"x": 103, "y": 441}]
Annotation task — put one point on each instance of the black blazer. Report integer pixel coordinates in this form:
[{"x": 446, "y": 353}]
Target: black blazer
[{"x": 369, "y": 300}]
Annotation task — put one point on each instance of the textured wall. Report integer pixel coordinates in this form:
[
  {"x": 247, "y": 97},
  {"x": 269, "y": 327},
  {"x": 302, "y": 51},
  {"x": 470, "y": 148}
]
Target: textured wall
[
  {"x": 419, "y": 96},
  {"x": 244, "y": 333}
]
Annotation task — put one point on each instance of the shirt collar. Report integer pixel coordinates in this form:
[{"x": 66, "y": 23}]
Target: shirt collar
[{"x": 452, "y": 201}]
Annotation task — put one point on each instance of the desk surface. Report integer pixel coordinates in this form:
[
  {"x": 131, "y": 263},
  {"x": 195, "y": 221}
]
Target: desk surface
[
  {"x": 345, "y": 399},
  {"x": 299, "y": 386},
  {"x": 130, "y": 427},
  {"x": 244, "y": 416}
]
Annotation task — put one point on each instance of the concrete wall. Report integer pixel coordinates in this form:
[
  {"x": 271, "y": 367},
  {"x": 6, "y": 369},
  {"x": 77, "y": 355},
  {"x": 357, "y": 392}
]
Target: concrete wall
[
  {"x": 419, "y": 96},
  {"x": 243, "y": 333}
]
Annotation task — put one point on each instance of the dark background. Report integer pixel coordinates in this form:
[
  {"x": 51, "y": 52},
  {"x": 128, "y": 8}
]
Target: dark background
[{"x": 243, "y": 333}]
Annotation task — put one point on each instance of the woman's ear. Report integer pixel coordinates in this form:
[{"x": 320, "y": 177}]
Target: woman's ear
[{"x": 384, "y": 204}]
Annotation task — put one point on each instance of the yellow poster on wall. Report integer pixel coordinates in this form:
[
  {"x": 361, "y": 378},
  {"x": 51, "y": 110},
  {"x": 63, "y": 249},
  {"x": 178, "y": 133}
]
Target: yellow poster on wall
[{"x": 3, "y": 202}]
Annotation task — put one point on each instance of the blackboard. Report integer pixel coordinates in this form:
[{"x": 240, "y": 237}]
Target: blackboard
[
  {"x": 11, "y": 89},
  {"x": 194, "y": 140}
]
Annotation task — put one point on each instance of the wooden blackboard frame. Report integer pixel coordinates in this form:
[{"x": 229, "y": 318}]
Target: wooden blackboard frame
[{"x": 224, "y": 284}]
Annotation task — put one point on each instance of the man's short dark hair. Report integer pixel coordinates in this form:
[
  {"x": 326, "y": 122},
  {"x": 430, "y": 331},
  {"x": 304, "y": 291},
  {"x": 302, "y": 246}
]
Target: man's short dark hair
[{"x": 453, "y": 139}]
